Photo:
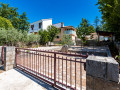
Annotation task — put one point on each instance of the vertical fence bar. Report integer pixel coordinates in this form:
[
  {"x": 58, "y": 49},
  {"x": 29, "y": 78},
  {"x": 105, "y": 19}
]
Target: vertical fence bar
[
  {"x": 15, "y": 56},
  {"x": 62, "y": 70},
  {"x": 51, "y": 66},
  {"x": 66, "y": 72},
  {"x": 36, "y": 62},
  {"x": 40, "y": 63},
  {"x": 80, "y": 74},
  {"x": 58, "y": 68},
  {"x": 30, "y": 60},
  {"x": 48, "y": 65},
  {"x": 45, "y": 64},
  {"x": 54, "y": 69},
  {"x": 27, "y": 59},
  {"x": 70, "y": 72},
  {"x": 75, "y": 73},
  {"x": 24, "y": 60}
]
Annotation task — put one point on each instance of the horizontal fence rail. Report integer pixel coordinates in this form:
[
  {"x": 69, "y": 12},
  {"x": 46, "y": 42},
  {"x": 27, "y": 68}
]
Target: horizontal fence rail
[{"x": 61, "y": 70}]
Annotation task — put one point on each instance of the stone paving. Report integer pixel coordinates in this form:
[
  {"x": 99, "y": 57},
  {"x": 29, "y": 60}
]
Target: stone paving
[{"x": 18, "y": 80}]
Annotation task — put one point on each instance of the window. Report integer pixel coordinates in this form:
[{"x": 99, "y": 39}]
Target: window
[
  {"x": 32, "y": 27},
  {"x": 57, "y": 37},
  {"x": 40, "y": 24}
]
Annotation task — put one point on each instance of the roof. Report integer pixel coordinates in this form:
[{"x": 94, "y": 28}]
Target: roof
[
  {"x": 69, "y": 27},
  {"x": 105, "y": 33},
  {"x": 41, "y": 20}
]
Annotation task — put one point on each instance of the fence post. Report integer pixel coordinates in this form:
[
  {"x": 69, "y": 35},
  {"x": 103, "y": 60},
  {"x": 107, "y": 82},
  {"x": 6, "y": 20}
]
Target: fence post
[
  {"x": 15, "y": 57},
  {"x": 54, "y": 69},
  {"x": 3, "y": 55}
]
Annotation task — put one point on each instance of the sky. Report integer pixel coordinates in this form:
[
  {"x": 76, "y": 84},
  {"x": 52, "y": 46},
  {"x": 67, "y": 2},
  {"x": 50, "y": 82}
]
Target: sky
[{"x": 70, "y": 12}]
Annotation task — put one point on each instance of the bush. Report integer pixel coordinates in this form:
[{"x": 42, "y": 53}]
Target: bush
[
  {"x": 66, "y": 39},
  {"x": 44, "y": 37},
  {"x": 13, "y": 37}
]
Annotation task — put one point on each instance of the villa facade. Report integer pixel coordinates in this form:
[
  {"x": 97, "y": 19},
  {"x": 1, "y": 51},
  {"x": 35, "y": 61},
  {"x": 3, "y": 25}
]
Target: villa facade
[{"x": 44, "y": 23}]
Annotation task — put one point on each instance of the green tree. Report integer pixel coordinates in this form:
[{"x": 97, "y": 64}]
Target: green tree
[
  {"x": 52, "y": 31},
  {"x": 23, "y": 24},
  {"x": 110, "y": 10},
  {"x": 84, "y": 29},
  {"x": 44, "y": 37},
  {"x": 66, "y": 39},
  {"x": 5, "y": 23},
  {"x": 10, "y": 13}
]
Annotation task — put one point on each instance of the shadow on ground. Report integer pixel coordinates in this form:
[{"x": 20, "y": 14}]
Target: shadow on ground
[{"x": 38, "y": 81}]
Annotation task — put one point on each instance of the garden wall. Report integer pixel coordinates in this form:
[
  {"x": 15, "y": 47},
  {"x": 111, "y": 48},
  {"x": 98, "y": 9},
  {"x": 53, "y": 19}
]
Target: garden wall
[{"x": 102, "y": 73}]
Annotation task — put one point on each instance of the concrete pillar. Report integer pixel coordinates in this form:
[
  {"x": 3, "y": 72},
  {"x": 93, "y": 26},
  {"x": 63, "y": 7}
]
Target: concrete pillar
[
  {"x": 102, "y": 73},
  {"x": 9, "y": 57}
]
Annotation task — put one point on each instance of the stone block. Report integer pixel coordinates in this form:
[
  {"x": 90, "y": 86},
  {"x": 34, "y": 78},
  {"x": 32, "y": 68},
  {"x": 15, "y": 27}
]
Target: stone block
[
  {"x": 9, "y": 58},
  {"x": 8, "y": 67},
  {"x": 103, "y": 67}
]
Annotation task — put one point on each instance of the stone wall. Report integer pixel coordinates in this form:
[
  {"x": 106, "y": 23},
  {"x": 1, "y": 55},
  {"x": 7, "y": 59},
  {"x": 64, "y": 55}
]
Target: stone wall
[
  {"x": 102, "y": 73},
  {"x": 9, "y": 58}
]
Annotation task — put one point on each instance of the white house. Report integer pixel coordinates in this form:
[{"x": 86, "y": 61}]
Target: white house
[
  {"x": 41, "y": 24},
  {"x": 44, "y": 23}
]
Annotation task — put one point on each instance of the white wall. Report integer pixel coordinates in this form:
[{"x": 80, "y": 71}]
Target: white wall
[
  {"x": 46, "y": 23},
  {"x": 36, "y": 27},
  {"x": 58, "y": 25}
]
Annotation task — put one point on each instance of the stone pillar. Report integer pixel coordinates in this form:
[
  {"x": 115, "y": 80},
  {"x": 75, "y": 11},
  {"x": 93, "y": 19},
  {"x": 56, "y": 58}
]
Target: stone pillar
[
  {"x": 102, "y": 73},
  {"x": 9, "y": 57}
]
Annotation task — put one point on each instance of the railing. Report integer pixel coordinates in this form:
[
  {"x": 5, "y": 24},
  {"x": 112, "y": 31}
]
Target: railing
[
  {"x": 69, "y": 32},
  {"x": 61, "y": 70}
]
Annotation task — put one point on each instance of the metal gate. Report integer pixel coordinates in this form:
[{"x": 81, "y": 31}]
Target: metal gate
[{"x": 61, "y": 70}]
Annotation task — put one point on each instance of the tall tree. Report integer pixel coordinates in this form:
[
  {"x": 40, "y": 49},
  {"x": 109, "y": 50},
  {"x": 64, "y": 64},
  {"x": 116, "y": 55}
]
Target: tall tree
[
  {"x": 110, "y": 10},
  {"x": 97, "y": 27},
  {"x": 4, "y": 23},
  {"x": 11, "y": 14},
  {"x": 84, "y": 29},
  {"x": 52, "y": 31},
  {"x": 44, "y": 36},
  {"x": 23, "y": 24}
]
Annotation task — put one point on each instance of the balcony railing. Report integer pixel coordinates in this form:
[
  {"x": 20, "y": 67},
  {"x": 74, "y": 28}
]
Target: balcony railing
[{"x": 69, "y": 32}]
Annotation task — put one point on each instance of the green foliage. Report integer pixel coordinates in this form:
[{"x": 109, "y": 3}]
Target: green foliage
[
  {"x": 13, "y": 37},
  {"x": 52, "y": 31},
  {"x": 4, "y": 23},
  {"x": 110, "y": 10},
  {"x": 32, "y": 38},
  {"x": 44, "y": 37},
  {"x": 18, "y": 21},
  {"x": 66, "y": 39},
  {"x": 118, "y": 56},
  {"x": 84, "y": 29}
]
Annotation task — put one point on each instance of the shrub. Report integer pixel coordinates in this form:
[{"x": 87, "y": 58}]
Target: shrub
[
  {"x": 13, "y": 37},
  {"x": 66, "y": 39},
  {"x": 44, "y": 37}
]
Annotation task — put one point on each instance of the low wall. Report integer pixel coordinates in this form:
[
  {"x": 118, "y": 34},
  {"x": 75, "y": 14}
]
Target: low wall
[
  {"x": 102, "y": 73},
  {"x": 9, "y": 57}
]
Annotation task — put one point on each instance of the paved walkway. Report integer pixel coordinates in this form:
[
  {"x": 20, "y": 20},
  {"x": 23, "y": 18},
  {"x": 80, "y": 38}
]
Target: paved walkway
[{"x": 18, "y": 80}]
